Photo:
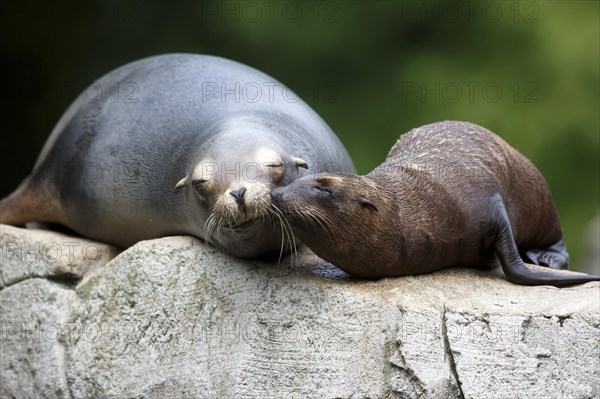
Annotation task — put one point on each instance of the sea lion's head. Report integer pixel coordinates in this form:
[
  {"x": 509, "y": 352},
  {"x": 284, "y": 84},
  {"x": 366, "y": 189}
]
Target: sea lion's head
[
  {"x": 342, "y": 217},
  {"x": 228, "y": 186}
]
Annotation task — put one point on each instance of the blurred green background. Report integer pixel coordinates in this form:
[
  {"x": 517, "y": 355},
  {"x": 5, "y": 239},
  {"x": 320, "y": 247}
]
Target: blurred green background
[{"x": 528, "y": 71}]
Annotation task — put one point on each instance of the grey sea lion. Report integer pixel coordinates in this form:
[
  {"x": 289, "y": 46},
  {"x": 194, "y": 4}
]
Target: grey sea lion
[
  {"x": 177, "y": 144},
  {"x": 448, "y": 194}
]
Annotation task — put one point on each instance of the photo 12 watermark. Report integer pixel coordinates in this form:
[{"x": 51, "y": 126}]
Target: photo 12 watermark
[
  {"x": 270, "y": 11},
  {"x": 270, "y": 92},
  {"x": 470, "y": 92},
  {"x": 461, "y": 12},
  {"x": 126, "y": 92},
  {"x": 134, "y": 172},
  {"x": 52, "y": 252},
  {"x": 113, "y": 12},
  {"x": 68, "y": 333}
]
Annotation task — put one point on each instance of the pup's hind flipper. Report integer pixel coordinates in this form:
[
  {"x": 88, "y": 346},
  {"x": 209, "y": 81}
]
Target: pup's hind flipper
[{"x": 512, "y": 264}]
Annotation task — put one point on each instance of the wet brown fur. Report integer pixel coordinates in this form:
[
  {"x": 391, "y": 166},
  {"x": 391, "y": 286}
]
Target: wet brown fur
[{"x": 432, "y": 204}]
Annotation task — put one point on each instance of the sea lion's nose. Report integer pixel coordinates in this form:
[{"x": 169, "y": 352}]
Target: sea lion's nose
[{"x": 239, "y": 196}]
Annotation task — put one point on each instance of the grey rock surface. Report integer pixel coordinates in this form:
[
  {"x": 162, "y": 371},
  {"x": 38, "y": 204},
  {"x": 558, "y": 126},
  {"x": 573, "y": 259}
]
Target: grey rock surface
[
  {"x": 28, "y": 253},
  {"x": 175, "y": 318}
]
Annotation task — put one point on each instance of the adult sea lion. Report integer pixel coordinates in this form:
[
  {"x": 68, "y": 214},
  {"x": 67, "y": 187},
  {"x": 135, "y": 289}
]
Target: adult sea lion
[
  {"x": 177, "y": 144},
  {"x": 448, "y": 194}
]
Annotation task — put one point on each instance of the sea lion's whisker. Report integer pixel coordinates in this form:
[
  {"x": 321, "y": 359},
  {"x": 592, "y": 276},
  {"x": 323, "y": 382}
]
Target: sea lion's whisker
[
  {"x": 282, "y": 243},
  {"x": 317, "y": 222},
  {"x": 334, "y": 229},
  {"x": 209, "y": 226},
  {"x": 288, "y": 227}
]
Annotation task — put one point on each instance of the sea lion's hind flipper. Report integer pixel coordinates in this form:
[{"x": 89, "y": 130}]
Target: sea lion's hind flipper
[
  {"x": 554, "y": 256},
  {"x": 513, "y": 266},
  {"x": 32, "y": 201}
]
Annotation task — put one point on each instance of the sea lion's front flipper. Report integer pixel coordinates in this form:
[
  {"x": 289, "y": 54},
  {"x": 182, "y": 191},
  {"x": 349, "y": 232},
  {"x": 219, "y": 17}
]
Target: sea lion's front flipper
[{"x": 512, "y": 264}]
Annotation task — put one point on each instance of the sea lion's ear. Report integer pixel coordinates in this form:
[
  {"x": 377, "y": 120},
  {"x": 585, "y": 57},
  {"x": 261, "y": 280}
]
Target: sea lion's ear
[
  {"x": 329, "y": 180},
  {"x": 180, "y": 184},
  {"x": 300, "y": 163},
  {"x": 366, "y": 203}
]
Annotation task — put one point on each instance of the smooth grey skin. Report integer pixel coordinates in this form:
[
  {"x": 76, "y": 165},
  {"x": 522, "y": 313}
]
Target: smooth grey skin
[{"x": 110, "y": 167}]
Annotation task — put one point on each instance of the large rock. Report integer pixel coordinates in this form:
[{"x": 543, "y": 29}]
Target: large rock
[{"x": 175, "y": 318}]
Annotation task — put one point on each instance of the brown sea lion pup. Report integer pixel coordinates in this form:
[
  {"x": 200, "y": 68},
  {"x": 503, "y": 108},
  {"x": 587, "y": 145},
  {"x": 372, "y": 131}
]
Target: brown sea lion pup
[{"x": 448, "y": 194}]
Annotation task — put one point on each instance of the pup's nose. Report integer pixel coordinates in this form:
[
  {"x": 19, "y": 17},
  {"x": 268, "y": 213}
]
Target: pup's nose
[{"x": 239, "y": 197}]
